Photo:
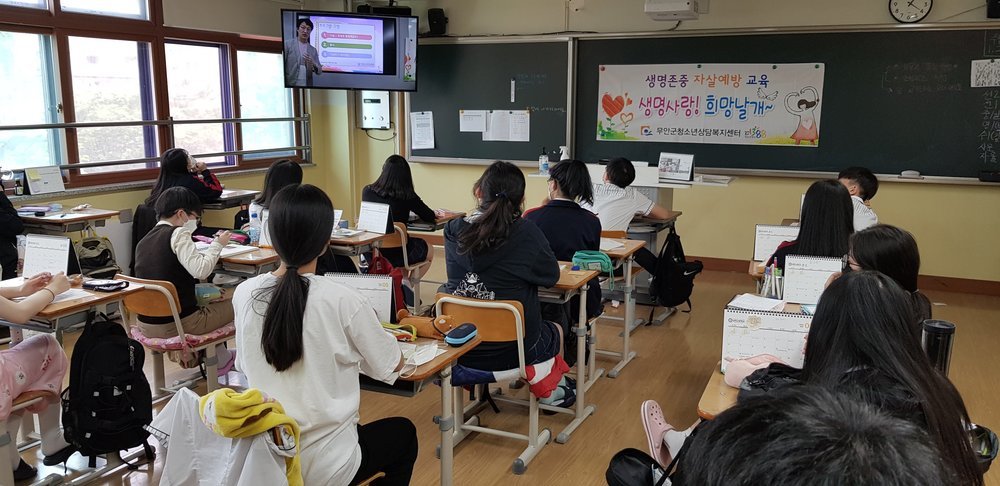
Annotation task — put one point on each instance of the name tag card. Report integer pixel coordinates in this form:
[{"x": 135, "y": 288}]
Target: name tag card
[
  {"x": 767, "y": 237},
  {"x": 805, "y": 277}
]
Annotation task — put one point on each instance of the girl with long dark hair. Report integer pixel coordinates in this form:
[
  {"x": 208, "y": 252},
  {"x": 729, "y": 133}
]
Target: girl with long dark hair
[
  {"x": 892, "y": 251},
  {"x": 304, "y": 339},
  {"x": 825, "y": 225},
  {"x": 179, "y": 168},
  {"x": 394, "y": 187}
]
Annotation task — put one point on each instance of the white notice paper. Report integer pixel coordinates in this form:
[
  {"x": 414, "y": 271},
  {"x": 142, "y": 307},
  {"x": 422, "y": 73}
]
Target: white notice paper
[
  {"x": 422, "y": 130},
  {"x": 472, "y": 121},
  {"x": 497, "y": 126},
  {"x": 520, "y": 126},
  {"x": 985, "y": 73},
  {"x": 44, "y": 253},
  {"x": 805, "y": 277},
  {"x": 767, "y": 237},
  {"x": 374, "y": 217}
]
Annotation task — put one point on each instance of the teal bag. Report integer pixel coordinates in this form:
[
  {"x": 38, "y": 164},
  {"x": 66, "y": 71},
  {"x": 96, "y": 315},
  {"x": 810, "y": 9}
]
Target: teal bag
[{"x": 594, "y": 260}]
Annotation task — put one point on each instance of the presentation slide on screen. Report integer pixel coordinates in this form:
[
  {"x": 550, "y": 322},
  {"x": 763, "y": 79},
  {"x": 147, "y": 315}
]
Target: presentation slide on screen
[{"x": 349, "y": 45}]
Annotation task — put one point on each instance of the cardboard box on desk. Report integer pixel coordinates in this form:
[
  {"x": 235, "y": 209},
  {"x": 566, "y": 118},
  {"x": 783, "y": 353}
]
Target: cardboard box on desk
[{"x": 748, "y": 333}]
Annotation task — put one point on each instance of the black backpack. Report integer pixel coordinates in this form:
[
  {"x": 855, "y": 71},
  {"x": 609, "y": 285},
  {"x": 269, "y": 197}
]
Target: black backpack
[
  {"x": 673, "y": 280},
  {"x": 108, "y": 402}
]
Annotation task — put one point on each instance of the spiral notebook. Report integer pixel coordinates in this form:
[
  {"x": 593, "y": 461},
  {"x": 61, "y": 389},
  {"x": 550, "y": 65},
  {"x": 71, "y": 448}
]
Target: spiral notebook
[
  {"x": 748, "y": 333},
  {"x": 376, "y": 288},
  {"x": 767, "y": 237},
  {"x": 806, "y": 276}
]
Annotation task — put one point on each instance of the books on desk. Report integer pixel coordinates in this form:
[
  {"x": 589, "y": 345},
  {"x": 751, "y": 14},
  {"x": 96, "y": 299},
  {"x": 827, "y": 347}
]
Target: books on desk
[
  {"x": 747, "y": 333},
  {"x": 608, "y": 244},
  {"x": 229, "y": 250}
]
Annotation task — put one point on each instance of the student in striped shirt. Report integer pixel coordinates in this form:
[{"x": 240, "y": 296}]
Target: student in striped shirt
[
  {"x": 616, "y": 203},
  {"x": 862, "y": 185}
]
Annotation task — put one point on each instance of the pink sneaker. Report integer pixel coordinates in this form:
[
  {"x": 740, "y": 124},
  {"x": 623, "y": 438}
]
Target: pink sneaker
[
  {"x": 228, "y": 366},
  {"x": 656, "y": 427}
]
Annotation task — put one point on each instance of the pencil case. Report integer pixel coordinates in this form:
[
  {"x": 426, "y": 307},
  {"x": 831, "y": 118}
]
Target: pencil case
[{"x": 461, "y": 334}]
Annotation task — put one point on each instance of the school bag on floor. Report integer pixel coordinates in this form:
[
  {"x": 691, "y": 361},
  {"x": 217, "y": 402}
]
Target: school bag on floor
[
  {"x": 108, "y": 402},
  {"x": 673, "y": 280},
  {"x": 97, "y": 256}
]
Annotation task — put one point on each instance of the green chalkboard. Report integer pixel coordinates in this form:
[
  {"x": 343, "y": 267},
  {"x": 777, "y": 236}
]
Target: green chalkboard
[
  {"x": 892, "y": 100},
  {"x": 453, "y": 77}
]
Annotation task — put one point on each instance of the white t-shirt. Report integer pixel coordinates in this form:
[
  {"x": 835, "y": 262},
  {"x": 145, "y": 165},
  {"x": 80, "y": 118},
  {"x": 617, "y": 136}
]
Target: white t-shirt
[
  {"x": 616, "y": 207},
  {"x": 341, "y": 337},
  {"x": 864, "y": 217}
]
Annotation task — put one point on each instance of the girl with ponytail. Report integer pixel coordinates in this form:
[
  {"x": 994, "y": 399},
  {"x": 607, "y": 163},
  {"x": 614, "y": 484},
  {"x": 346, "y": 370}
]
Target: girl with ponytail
[
  {"x": 495, "y": 254},
  {"x": 303, "y": 340}
]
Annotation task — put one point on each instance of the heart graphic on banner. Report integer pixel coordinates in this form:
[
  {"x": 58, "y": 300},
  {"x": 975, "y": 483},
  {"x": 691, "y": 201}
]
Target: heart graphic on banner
[
  {"x": 612, "y": 106},
  {"x": 626, "y": 117}
]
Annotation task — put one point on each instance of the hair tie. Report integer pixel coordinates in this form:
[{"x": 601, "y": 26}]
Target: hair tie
[
  {"x": 292, "y": 268},
  {"x": 500, "y": 194}
]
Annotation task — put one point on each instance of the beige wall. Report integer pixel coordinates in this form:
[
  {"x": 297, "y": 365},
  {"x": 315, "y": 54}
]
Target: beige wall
[{"x": 956, "y": 226}]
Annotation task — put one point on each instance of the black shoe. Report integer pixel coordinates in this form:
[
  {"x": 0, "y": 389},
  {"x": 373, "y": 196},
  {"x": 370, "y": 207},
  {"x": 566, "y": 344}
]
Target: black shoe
[
  {"x": 59, "y": 457},
  {"x": 24, "y": 471}
]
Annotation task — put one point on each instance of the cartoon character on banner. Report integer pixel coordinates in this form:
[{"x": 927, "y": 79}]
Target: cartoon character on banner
[
  {"x": 615, "y": 112},
  {"x": 805, "y": 108}
]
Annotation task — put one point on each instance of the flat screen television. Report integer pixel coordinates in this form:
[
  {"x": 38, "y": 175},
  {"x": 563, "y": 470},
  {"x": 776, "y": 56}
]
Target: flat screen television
[{"x": 337, "y": 50}]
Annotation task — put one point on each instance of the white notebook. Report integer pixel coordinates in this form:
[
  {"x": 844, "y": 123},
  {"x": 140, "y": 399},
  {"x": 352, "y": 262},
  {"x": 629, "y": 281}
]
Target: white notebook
[
  {"x": 767, "y": 237},
  {"x": 45, "y": 253},
  {"x": 748, "y": 333},
  {"x": 805, "y": 277},
  {"x": 376, "y": 288}
]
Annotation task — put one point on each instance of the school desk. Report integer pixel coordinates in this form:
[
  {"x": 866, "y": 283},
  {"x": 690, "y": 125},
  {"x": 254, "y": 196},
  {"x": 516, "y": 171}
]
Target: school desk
[
  {"x": 66, "y": 221},
  {"x": 256, "y": 262},
  {"x": 232, "y": 198},
  {"x": 717, "y": 397},
  {"x": 58, "y": 316},
  {"x": 572, "y": 283},
  {"x": 625, "y": 253},
  {"x": 439, "y": 367},
  {"x": 355, "y": 245},
  {"x": 438, "y": 224}
]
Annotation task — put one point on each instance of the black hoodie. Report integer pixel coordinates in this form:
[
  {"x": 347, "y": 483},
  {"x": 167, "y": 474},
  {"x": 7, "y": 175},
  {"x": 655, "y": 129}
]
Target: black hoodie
[{"x": 513, "y": 271}]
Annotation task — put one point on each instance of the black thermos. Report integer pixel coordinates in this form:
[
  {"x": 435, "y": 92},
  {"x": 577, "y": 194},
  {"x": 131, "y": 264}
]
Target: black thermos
[{"x": 937, "y": 339}]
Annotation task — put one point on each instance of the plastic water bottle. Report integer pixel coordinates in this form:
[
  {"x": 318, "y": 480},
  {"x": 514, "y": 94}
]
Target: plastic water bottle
[
  {"x": 543, "y": 163},
  {"x": 254, "y": 230}
]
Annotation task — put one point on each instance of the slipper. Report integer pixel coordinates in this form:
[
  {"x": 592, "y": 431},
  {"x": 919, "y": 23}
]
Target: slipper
[
  {"x": 226, "y": 368},
  {"x": 656, "y": 427}
]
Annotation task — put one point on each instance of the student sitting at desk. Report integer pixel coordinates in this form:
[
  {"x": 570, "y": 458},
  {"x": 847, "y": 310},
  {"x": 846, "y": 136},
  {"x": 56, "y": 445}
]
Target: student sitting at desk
[
  {"x": 495, "y": 254},
  {"x": 168, "y": 253},
  {"x": 10, "y": 226},
  {"x": 281, "y": 174},
  {"x": 568, "y": 227},
  {"x": 825, "y": 225},
  {"x": 862, "y": 343},
  {"x": 37, "y": 363},
  {"x": 304, "y": 339},
  {"x": 177, "y": 169},
  {"x": 395, "y": 188},
  {"x": 616, "y": 203},
  {"x": 892, "y": 251},
  {"x": 862, "y": 185}
]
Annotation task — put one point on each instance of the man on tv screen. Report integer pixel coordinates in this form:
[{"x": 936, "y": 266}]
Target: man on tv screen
[{"x": 301, "y": 58}]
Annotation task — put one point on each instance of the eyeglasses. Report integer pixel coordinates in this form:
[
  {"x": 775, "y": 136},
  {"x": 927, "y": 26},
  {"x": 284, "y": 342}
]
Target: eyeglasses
[{"x": 847, "y": 263}]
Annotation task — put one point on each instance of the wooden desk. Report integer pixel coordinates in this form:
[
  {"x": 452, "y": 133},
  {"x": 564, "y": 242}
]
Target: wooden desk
[
  {"x": 441, "y": 367},
  {"x": 58, "y": 316},
  {"x": 717, "y": 397},
  {"x": 572, "y": 283},
  {"x": 625, "y": 253},
  {"x": 68, "y": 221},
  {"x": 232, "y": 198},
  {"x": 438, "y": 223},
  {"x": 254, "y": 263},
  {"x": 356, "y": 244},
  {"x": 646, "y": 220}
]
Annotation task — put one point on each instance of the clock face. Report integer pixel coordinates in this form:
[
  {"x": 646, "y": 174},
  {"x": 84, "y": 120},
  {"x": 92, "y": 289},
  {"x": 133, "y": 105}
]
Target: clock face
[{"x": 909, "y": 11}]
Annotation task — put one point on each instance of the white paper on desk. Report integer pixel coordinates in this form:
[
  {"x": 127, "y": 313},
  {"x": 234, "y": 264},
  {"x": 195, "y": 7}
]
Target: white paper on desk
[
  {"x": 748, "y": 333},
  {"x": 472, "y": 121},
  {"x": 805, "y": 277},
  {"x": 229, "y": 250},
  {"x": 767, "y": 237},
  {"x": 609, "y": 244},
  {"x": 374, "y": 217},
  {"x": 45, "y": 253},
  {"x": 70, "y": 295},
  {"x": 756, "y": 302},
  {"x": 418, "y": 354},
  {"x": 422, "y": 130}
]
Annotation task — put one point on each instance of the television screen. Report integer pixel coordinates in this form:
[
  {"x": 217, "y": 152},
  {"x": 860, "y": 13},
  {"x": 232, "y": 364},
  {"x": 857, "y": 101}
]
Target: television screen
[{"x": 349, "y": 51}]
